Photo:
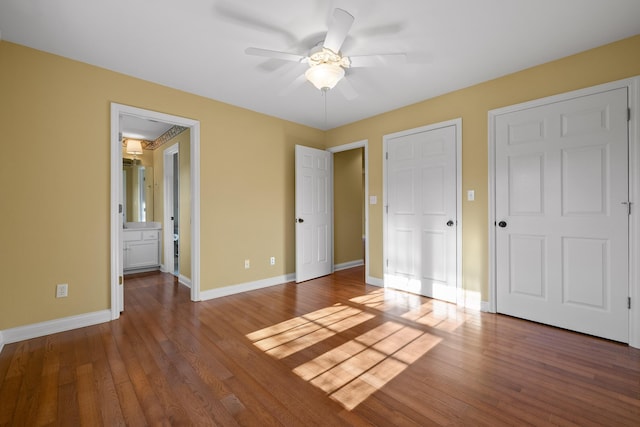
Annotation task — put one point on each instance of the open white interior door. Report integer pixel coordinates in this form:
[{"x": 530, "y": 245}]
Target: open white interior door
[{"x": 314, "y": 211}]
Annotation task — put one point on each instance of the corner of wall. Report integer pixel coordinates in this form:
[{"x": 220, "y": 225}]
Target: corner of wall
[{"x": 1, "y": 342}]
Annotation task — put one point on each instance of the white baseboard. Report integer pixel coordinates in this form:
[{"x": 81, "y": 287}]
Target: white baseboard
[
  {"x": 184, "y": 280},
  {"x": 375, "y": 281},
  {"x": 245, "y": 287},
  {"x": 346, "y": 265},
  {"x": 1, "y": 342},
  {"x": 54, "y": 326},
  {"x": 484, "y": 306}
]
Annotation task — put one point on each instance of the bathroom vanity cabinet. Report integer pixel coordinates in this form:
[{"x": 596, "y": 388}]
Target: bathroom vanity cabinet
[{"x": 141, "y": 249}]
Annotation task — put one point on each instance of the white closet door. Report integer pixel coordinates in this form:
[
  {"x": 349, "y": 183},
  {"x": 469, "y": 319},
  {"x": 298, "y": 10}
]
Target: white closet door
[
  {"x": 562, "y": 229},
  {"x": 421, "y": 219}
]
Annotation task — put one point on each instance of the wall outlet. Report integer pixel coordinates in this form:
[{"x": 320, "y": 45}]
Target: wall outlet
[
  {"x": 247, "y": 263},
  {"x": 62, "y": 290},
  {"x": 272, "y": 260}
]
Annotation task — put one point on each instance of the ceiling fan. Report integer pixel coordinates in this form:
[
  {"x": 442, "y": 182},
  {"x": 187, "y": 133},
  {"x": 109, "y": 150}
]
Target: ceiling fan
[{"x": 327, "y": 64}]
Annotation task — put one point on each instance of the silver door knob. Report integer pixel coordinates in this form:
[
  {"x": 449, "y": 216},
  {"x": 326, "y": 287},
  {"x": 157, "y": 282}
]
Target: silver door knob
[{"x": 450, "y": 223}]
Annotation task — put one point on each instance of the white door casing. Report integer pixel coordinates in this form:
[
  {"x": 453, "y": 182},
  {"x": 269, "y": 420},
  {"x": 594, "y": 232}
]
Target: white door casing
[
  {"x": 168, "y": 239},
  {"x": 117, "y": 296},
  {"x": 561, "y": 234},
  {"x": 422, "y": 227},
  {"x": 314, "y": 210}
]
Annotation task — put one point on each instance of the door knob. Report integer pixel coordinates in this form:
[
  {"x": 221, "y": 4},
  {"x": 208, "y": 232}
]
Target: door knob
[
  {"x": 502, "y": 224},
  {"x": 300, "y": 220},
  {"x": 450, "y": 223}
]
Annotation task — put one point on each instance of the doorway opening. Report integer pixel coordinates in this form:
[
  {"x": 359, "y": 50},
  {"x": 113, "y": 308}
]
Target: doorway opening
[
  {"x": 363, "y": 148},
  {"x": 118, "y": 112}
]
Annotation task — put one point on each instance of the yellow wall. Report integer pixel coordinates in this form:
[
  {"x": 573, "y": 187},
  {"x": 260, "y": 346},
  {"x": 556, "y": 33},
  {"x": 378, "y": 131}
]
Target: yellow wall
[
  {"x": 55, "y": 219},
  {"x": 55, "y": 123},
  {"x": 348, "y": 196},
  {"x": 608, "y": 63}
]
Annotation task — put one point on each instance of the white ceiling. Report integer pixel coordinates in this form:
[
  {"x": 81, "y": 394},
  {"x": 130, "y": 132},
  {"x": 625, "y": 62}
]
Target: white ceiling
[
  {"x": 144, "y": 129},
  {"x": 198, "y": 45}
]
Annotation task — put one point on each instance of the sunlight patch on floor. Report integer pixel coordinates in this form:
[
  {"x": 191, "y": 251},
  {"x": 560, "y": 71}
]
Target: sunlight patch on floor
[
  {"x": 296, "y": 334},
  {"x": 353, "y": 371},
  {"x": 389, "y": 300},
  {"x": 438, "y": 314},
  {"x": 435, "y": 313}
]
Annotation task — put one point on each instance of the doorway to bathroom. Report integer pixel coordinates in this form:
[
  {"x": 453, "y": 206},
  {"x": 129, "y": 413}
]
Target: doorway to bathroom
[{"x": 189, "y": 206}]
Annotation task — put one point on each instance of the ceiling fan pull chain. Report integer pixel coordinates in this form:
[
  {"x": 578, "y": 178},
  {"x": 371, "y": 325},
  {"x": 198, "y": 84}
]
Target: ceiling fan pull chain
[{"x": 325, "y": 91}]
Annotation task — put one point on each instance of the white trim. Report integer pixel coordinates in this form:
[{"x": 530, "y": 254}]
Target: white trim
[
  {"x": 634, "y": 223},
  {"x": 633, "y": 87},
  {"x": 54, "y": 326},
  {"x": 352, "y": 146},
  {"x": 347, "y": 265},
  {"x": 460, "y": 292},
  {"x": 167, "y": 179},
  {"x": 484, "y": 306},
  {"x": 1, "y": 342},
  {"x": 184, "y": 280},
  {"x": 374, "y": 281},
  {"x": 116, "y": 165},
  {"x": 246, "y": 287}
]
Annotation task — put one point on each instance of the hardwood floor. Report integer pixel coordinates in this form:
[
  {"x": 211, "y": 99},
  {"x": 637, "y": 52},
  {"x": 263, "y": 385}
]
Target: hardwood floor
[{"x": 332, "y": 351}]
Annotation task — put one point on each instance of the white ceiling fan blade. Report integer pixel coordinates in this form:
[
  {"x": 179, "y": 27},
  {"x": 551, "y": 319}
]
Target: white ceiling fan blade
[
  {"x": 274, "y": 54},
  {"x": 347, "y": 90},
  {"x": 234, "y": 12},
  {"x": 338, "y": 30},
  {"x": 377, "y": 60},
  {"x": 299, "y": 81}
]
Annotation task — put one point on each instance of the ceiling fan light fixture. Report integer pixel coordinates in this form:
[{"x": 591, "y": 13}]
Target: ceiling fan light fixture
[{"x": 324, "y": 75}]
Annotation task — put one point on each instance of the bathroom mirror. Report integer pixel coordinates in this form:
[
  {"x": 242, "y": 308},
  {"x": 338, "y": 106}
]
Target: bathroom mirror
[{"x": 137, "y": 183}]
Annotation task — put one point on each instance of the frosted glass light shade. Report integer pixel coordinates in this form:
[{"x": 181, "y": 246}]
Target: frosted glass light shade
[
  {"x": 324, "y": 76},
  {"x": 134, "y": 146}
]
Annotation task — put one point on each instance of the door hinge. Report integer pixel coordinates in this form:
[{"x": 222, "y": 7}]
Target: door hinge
[
  {"x": 628, "y": 207},
  {"x": 120, "y": 208},
  {"x": 386, "y": 155},
  {"x": 387, "y": 262},
  {"x": 628, "y": 114},
  {"x": 119, "y": 280},
  {"x": 629, "y": 303}
]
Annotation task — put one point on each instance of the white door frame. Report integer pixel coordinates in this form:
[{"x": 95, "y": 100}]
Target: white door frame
[
  {"x": 352, "y": 146},
  {"x": 167, "y": 159},
  {"x": 116, "y": 187},
  {"x": 461, "y": 298},
  {"x": 633, "y": 87}
]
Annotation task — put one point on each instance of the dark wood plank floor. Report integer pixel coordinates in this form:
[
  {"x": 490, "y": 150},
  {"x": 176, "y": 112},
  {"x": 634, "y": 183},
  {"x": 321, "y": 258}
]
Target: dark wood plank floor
[{"x": 328, "y": 352}]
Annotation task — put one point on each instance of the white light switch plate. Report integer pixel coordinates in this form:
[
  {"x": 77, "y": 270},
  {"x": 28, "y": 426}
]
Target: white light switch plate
[{"x": 471, "y": 195}]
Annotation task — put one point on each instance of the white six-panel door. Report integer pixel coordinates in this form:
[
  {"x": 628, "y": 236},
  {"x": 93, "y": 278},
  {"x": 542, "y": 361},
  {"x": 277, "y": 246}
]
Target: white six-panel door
[
  {"x": 562, "y": 227},
  {"x": 422, "y": 213},
  {"x": 314, "y": 209}
]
